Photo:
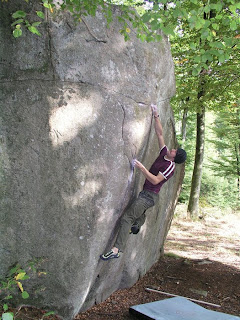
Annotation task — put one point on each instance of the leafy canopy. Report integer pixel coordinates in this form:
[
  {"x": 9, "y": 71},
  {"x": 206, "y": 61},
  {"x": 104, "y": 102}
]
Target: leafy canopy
[{"x": 215, "y": 23}]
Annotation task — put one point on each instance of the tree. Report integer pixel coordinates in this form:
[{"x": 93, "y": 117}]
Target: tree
[
  {"x": 205, "y": 74},
  {"x": 210, "y": 19},
  {"x": 227, "y": 130}
]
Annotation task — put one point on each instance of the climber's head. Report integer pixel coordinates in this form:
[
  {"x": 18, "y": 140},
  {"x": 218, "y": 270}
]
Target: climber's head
[{"x": 181, "y": 156}]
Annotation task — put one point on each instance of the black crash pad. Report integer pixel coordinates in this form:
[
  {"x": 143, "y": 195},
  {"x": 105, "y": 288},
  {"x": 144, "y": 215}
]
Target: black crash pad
[{"x": 177, "y": 308}]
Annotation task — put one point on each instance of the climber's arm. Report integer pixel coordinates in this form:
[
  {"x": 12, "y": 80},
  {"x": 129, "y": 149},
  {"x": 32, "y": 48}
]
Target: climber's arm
[
  {"x": 148, "y": 175},
  {"x": 158, "y": 126}
]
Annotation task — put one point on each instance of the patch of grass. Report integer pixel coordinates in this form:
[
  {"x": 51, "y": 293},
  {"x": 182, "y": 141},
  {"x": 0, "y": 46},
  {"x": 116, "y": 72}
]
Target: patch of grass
[{"x": 172, "y": 255}]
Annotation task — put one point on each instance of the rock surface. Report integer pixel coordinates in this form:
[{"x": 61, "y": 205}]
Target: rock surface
[{"x": 75, "y": 111}]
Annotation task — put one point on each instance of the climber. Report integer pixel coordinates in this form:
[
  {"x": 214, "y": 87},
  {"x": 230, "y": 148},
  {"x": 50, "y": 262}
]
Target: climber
[{"x": 160, "y": 172}]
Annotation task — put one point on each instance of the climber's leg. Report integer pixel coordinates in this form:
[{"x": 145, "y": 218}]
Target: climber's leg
[{"x": 144, "y": 201}]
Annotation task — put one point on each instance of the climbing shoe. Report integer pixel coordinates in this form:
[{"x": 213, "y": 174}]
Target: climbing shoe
[
  {"x": 135, "y": 228},
  {"x": 110, "y": 255}
]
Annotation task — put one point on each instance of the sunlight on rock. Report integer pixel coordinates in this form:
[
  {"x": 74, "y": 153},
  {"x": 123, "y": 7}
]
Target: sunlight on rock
[
  {"x": 119, "y": 44},
  {"x": 144, "y": 230},
  {"x": 86, "y": 191},
  {"x": 111, "y": 72},
  {"x": 106, "y": 213},
  {"x": 84, "y": 294},
  {"x": 66, "y": 121},
  {"x": 137, "y": 131},
  {"x": 133, "y": 254}
]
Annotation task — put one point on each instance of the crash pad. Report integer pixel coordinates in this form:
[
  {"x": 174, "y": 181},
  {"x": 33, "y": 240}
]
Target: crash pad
[{"x": 177, "y": 308}]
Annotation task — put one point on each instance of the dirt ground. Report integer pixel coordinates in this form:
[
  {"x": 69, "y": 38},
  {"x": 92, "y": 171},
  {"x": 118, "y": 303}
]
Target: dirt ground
[{"x": 201, "y": 261}]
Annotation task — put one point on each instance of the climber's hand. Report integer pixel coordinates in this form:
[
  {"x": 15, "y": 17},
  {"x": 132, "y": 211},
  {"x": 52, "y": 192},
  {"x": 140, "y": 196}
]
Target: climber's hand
[
  {"x": 138, "y": 164},
  {"x": 154, "y": 109}
]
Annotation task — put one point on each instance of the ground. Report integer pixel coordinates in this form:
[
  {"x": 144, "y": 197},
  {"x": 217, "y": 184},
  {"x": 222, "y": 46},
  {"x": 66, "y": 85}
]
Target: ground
[{"x": 201, "y": 261}]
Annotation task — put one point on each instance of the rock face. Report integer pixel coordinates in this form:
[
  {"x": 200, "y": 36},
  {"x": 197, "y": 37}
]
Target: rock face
[{"x": 75, "y": 111}]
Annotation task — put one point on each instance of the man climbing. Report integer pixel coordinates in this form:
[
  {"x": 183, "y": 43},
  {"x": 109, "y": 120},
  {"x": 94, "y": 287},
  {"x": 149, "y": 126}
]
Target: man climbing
[{"x": 160, "y": 172}]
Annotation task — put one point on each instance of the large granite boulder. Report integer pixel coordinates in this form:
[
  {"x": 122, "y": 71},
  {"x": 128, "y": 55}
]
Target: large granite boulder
[{"x": 75, "y": 110}]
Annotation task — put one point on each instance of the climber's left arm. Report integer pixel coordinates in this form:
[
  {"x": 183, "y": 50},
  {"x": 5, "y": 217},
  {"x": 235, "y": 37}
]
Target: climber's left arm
[{"x": 148, "y": 175}]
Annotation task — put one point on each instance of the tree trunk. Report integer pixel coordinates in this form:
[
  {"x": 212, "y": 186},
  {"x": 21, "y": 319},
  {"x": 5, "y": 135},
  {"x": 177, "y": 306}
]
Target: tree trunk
[
  {"x": 238, "y": 155},
  {"x": 184, "y": 126},
  {"x": 193, "y": 205},
  {"x": 237, "y": 151}
]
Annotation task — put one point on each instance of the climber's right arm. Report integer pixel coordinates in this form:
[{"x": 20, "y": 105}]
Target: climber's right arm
[{"x": 158, "y": 126}]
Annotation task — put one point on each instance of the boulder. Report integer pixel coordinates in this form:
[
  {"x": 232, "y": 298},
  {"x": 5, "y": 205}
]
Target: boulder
[{"x": 75, "y": 111}]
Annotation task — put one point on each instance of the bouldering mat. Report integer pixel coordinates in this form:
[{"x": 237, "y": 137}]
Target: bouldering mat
[{"x": 177, "y": 309}]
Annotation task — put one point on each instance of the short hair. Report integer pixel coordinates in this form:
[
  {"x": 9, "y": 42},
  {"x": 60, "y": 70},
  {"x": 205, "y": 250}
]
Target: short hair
[{"x": 181, "y": 156}]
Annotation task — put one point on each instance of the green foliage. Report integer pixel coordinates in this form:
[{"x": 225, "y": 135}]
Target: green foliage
[
  {"x": 47, "y": 314},
  {"x": 9, "y": 285},
  {"x": 7, "y": 316},
  {"x": 219, "y": 187},
  {"x": 210, "y": 27},
  {"x": 189, "y": 146},
  {"x": 207, "y": 73},
  {"x": 14, "y": 279},
  {"x": 20, "y": 21},
  {"x": 227, "y": 145},
  {"x": 12, "y": 285},
  {"x": 213, "y": 26},
  {"x": 218, "y": 191}
]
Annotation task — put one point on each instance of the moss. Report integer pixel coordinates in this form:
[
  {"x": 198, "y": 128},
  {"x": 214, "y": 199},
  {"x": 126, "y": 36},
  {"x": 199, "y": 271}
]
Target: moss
[{"x": 44, "y": 68}]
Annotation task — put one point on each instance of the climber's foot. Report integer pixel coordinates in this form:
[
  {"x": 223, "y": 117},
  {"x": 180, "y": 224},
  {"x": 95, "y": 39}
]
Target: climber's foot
[
  {"x": 110, "y": 255},
  {"x": 135, "y": 228}
]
